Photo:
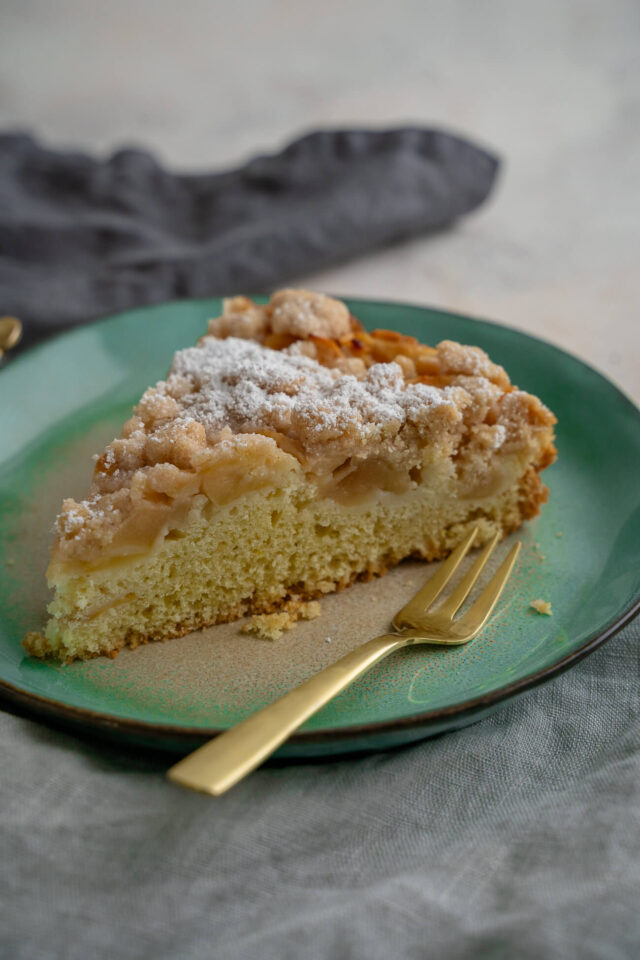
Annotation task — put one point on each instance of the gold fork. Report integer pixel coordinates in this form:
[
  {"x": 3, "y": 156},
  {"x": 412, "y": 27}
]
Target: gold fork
[{"x": 221, "y": 763}]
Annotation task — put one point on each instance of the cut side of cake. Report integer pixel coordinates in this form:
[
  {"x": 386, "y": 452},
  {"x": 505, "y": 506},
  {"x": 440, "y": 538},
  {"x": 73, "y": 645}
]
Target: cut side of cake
[{"x": 287, "y": 454}]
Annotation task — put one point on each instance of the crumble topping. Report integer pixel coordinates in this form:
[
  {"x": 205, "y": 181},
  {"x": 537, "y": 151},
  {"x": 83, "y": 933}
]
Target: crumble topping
[
  {"x": 471, "y": 361},
  {"x": 299, "y": 313},
  {"x": 241, "y": 385},
  {"x": 298, "y": 384},
  {"x": 302, "y": 313}
]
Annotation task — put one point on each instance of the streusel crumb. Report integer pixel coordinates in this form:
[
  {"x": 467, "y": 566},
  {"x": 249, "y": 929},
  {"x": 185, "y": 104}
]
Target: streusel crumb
[
  {"x": 271, "y": 626},
  {"x": 542, "y": 606}
]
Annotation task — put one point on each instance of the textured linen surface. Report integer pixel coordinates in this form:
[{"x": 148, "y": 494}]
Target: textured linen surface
[
  {"x": 82, "y": 237},
  {"x": 518, "y": 837}
]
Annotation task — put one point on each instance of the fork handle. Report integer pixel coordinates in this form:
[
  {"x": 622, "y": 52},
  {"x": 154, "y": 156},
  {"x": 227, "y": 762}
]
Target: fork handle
[{"x": 221, "y": 763}]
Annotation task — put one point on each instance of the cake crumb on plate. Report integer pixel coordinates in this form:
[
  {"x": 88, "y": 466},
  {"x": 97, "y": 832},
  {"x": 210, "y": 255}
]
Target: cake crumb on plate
[
  {"x": 271, "y": 626},
  {"x": 542, "y": 606}
]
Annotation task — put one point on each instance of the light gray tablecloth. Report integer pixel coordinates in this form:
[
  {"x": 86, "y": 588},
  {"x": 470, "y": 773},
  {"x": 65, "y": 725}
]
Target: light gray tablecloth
[{"x": 517, "y": 837}]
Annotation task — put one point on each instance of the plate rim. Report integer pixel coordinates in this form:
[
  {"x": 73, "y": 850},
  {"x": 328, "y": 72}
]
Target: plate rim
[
  {"x": 34, "y": 704},
  {"x": 80, "y": 716}
]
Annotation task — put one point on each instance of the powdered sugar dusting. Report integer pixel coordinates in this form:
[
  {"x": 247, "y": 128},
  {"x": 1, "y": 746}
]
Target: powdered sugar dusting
[
  {"x": 247, "y": 387},
  {"x": 499, "y": 436}
]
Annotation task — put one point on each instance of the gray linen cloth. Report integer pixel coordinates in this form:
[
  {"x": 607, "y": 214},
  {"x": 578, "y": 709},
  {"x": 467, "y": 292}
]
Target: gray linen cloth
[
  {"x": 81, "y": 237},
  {"x": 516, "y": 837}
]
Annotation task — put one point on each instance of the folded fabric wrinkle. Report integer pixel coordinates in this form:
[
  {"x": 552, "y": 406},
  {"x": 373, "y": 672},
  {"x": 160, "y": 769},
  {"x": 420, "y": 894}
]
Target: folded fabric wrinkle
[{"x": 82, "y": 237}]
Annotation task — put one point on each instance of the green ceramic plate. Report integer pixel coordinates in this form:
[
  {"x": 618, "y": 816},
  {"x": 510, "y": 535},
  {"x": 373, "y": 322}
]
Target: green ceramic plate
[{"x": 64, "y": 400}]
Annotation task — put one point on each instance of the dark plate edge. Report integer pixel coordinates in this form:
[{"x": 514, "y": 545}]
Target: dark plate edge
[{"x": 155, "y": 733}]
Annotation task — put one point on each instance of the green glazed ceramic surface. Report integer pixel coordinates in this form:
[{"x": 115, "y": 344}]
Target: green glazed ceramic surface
[{"x": 62, "y": 401}]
